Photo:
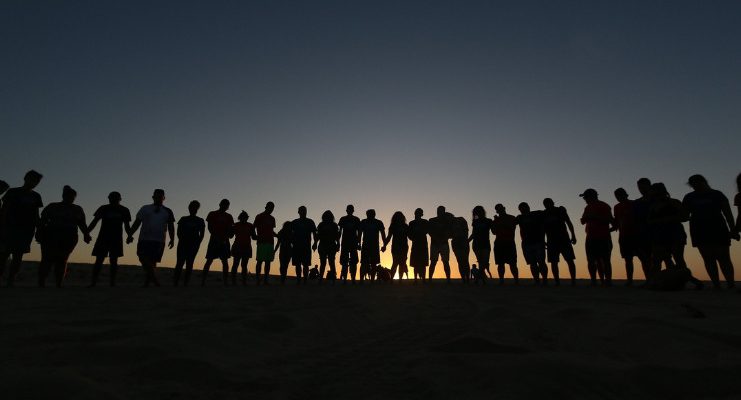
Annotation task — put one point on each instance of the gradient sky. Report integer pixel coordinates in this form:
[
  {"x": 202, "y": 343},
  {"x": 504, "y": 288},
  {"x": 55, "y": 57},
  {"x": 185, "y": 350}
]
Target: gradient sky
[{"x": 384, "y": 104}]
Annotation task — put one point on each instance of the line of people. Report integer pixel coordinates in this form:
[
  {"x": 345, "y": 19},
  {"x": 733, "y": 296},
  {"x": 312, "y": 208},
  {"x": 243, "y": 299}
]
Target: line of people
[{"x": 649, "y": 228}]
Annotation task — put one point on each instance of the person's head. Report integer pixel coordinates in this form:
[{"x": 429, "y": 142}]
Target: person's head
[
  {"x": 418, "y": 213},
  {"x": 350, "y": 209},
  {"x": 287, "y": 225},
  {"x": 644, "y": 186},
  {"x": 698, "y": 182},
  {"x": 243, "y": 216},
  {"x": 738, "y": 183},
  {"x": 158, "y": 196},
  {"x": 371, "y": 214},
  {"x": 462, "y": 223},
  {"x": 548, "y": 203},
  {"x": 327, "y": 216},
  {"x": 224, "y": 205},
  {"x": 193, "y": 207},
  {"x": 68, "y": 194},
  {"x": 302, "y": 211},
  {"x": 114, "y": 198},
  {"x": 589, "y": 195},
  {"x": 440, "y": 211},
  {"x": 3, "y": 186},
  {"x": 478, "y": 212},
  {"x": 269, "y": 207},
  {"x": 31, "y": 179},
  {"x": 524, "y": 208},
  {"x": 500, "y": 209},
  {"x": 398, "y": 218},
  {"x": 658, "y": 191},
  {"x": 621, "y": 195}
]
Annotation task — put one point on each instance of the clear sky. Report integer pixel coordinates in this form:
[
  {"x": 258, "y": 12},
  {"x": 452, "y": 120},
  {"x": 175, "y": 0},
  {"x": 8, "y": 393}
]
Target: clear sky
[{"x": 384, "y": 104}]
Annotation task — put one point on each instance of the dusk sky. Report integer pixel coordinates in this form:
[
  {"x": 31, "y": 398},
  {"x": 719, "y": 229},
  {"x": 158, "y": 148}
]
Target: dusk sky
[{"x": 387, "y": 105}]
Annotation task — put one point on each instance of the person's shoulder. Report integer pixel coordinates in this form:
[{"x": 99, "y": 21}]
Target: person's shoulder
[{"x": 737, "y": 199}]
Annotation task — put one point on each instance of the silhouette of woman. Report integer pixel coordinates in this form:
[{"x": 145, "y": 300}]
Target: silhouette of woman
[
  {"x": 419, "y": 255},
  {"x": 57, "y": 234},
  {"x": 244, "y": 232},
  {"x": 191, "y": 230},
  {"x": 398, "y": 236},
  {"x": 285, "y": 244},
  {"x": 461, "y": 248},
  {"x": 20, "y": 214},
  {"x": 114, "y": 219},
  {"x": 328, "y": 233},
  {"x": 481, "y": 226}
]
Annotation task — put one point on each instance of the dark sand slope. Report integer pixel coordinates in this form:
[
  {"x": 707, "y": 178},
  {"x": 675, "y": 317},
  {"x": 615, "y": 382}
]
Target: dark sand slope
[{"x": 374, "y": 341}]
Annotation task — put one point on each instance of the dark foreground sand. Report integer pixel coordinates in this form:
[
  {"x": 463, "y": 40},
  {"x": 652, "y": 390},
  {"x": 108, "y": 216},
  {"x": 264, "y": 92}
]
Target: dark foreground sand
[{"x": 374, "y": 341}]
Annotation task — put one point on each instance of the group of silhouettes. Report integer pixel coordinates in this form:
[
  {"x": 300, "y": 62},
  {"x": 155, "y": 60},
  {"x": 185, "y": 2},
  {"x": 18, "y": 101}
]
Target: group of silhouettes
[{"x": 649, "y": 228}]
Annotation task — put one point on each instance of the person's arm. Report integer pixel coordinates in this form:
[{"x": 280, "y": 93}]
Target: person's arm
[
  {"x": 82, "y": 226},
  {"x": 728, "y": 214},
  {"x": 277, "y": 244},
  {"x": 171, "y": 230},
  {"x": 316, "y": 240},
  {"x": 94, "y": 223},
  {"x": 201, "y": 233},
  {"x": 134, "y": 228},
  {"x": 127, "y": 227},
  {"x": 738, "y": 217},
  {"x": 386, "y": 240},
  {"x": 569, "y": 225}
]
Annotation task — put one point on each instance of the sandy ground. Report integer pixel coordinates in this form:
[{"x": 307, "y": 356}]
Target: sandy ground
[{"x": 374, "y": 341}]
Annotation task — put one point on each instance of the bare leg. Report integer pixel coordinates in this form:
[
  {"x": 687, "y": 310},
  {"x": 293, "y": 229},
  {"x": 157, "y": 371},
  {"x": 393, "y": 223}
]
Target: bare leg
[
  {"x": 554, "y": 269},
  {"x": 629, "y": 270},
  {"x": 225, "y": 270},
  {"x": 726, "y": 266},
  {"x": 188, "y": 270},
  {"x": 15, "y": 266},
  {"x": 96, "y": 270},
  {"x": 235, "y": 267},
  {"x": 204, "y": 274}
]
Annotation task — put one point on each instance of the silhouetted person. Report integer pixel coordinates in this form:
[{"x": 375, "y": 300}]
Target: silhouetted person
[
  {"x": 350, "y": 243},
  {"x": 628, "y": 239},
  {"x": 711, "y": 228},
  {"x": 220, "y": 225},
  {"x": 20, "y": 215},
  {"x": 481, "y": 227},
  {"x": 3, "y": 254},
  {"x": 559, "y": 242},
  {"x": 156, "y": 222},
  {"x": 114, "y": 221},
  {"x": 440, "y": 231},
  {"x": 57, "y": 234},
  {"x": 191, "y": 230},
  {"x": 477, "y": 274},
  {"x": 328, "y": 233},
  {"x": 460, "y": 246},
  {"x": 674, "y": 279},
  {"x": 532, "y": 235},
  {"x": 736, "y": 202},
  {"x": 303, "y": 231},
  {"x": 313, "y": 273},
  {"x": 264, "y": 227},
  {"x": 285, "y": 245},
  {"x": 399, "y": 238},
  {"x": 419, "y": 254},
  {"x": 642, "y": 246},
  {"x": 371, "y": 231},
  {"x": 244, "y": 233},
  {"x": 598, "y": 221},
  {"x": 665, "y": 218},
  {"x": 505, "y": 249}
]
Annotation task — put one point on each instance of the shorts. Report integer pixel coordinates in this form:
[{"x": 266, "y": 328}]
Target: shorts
[
  {"x": 441, "y": 250},
  {"x": 534, "y": 252},
  {"x": 349, "y": 254},
  {"x": 150, "y": 250},
  {"x": 108, "y": 247},
  {"x": 265, "y": 252},
  {"x": 19, "y": 240},
  {"x": 505, "y": 252},
  {"x": 301, "y": 256},
  {"x": 419, "y": 256},
  {"x": 628, "y": 247},
  {"x": 241, "y": 250},
  {"x": 598, "y": 248},
  {"x": 370, "y": 256},
  {"x": 57, "y": 248},
  {"x": 187, "y": 251},
  {"x": 483, "y": 254},
  {"x": 217, "y": 248},
  {"x": 560, "y": 249}
]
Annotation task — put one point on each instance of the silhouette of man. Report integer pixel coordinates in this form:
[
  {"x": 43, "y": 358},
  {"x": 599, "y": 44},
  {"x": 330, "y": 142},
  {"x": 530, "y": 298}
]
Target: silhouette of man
[
  {"x": 559, "y": 244},
  {"x": 265, "y": 229},
  {"x": 505, "y": 249},
  {"x": 191, "y": 230},
  {"x": 244, "y": 233},
  {"x": 711, "y": 228},
  {"x": 303, "y": 231},
  {"x": 643, "y": 244},
  {"x": 285, "y": 244},
  {"x": 3, "y": 188},
  {"x": 736, "y": 202},
  {"x": 628, "y": 239},
  {"x": 20, "y": 215},
  {"x": 440, "y": 231},
  {"x": 532, "y": 235},
  {"x": 481, "y": 226},
  {"x": 57, "y": 234},
  {"x": 156, "y": 222},
  {"x": 350, "y": 232},
  {"x": 598, "y": 221},
  {"x": 419, "y": 254},
  {"x": 221, "y": 227},
  {"x": 665, "y": 218},
  {"x": 115, "y": 220},
  {"x": 371, "y": 231},
  {"x": 461, "y": 248}
]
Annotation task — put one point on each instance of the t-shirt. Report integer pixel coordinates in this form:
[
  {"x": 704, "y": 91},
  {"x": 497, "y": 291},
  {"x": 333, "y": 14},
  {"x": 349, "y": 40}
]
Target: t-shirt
[
  {"x": 264, "y": 227},
  {"x": 285, "y": 237},
  {"x": 190, "y": 229},
  {"x": 480, "y": 231},
  {"x": 112, "y": 218},
  {"x": 707, "y": 224},
  {"x": 532, "y": 229},
  {"x": 62, "y": 219},
  {"x": 503, "y": 227},
  {"x": 400, "y": 234},
  {"x": 597, "y": 218},
  {"x": 665, "y": 222},
  {"x": 625, "y": 218},
  {"x": 328, "y": 232},
  {"x": 554, "y": 223},
  {"x": 243, "y": 232},
  {"x": 21, "y": 209},
  {"x": 371, "y": 230},
  {"x": 440, "y": 228},
  {"x": 303, "y": 228},
  {"x": 220, "y": 224},
  {"x": 349, "y": 225},
  {"x": 641, "y": 207},
  {"x": 418, "y": 231},
  {"x": 154, "y": 222}
]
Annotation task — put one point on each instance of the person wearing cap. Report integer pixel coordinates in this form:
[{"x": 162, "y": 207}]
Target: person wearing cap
[
  {"x": 114, "y": 221},
  {"x": 598, "y": 222},
  {"x": 220, "y": 225},
  {"x": 244, "y": 233},
  {"x": 156, "y": 222},
  {"x": 711, "y": 228}
]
